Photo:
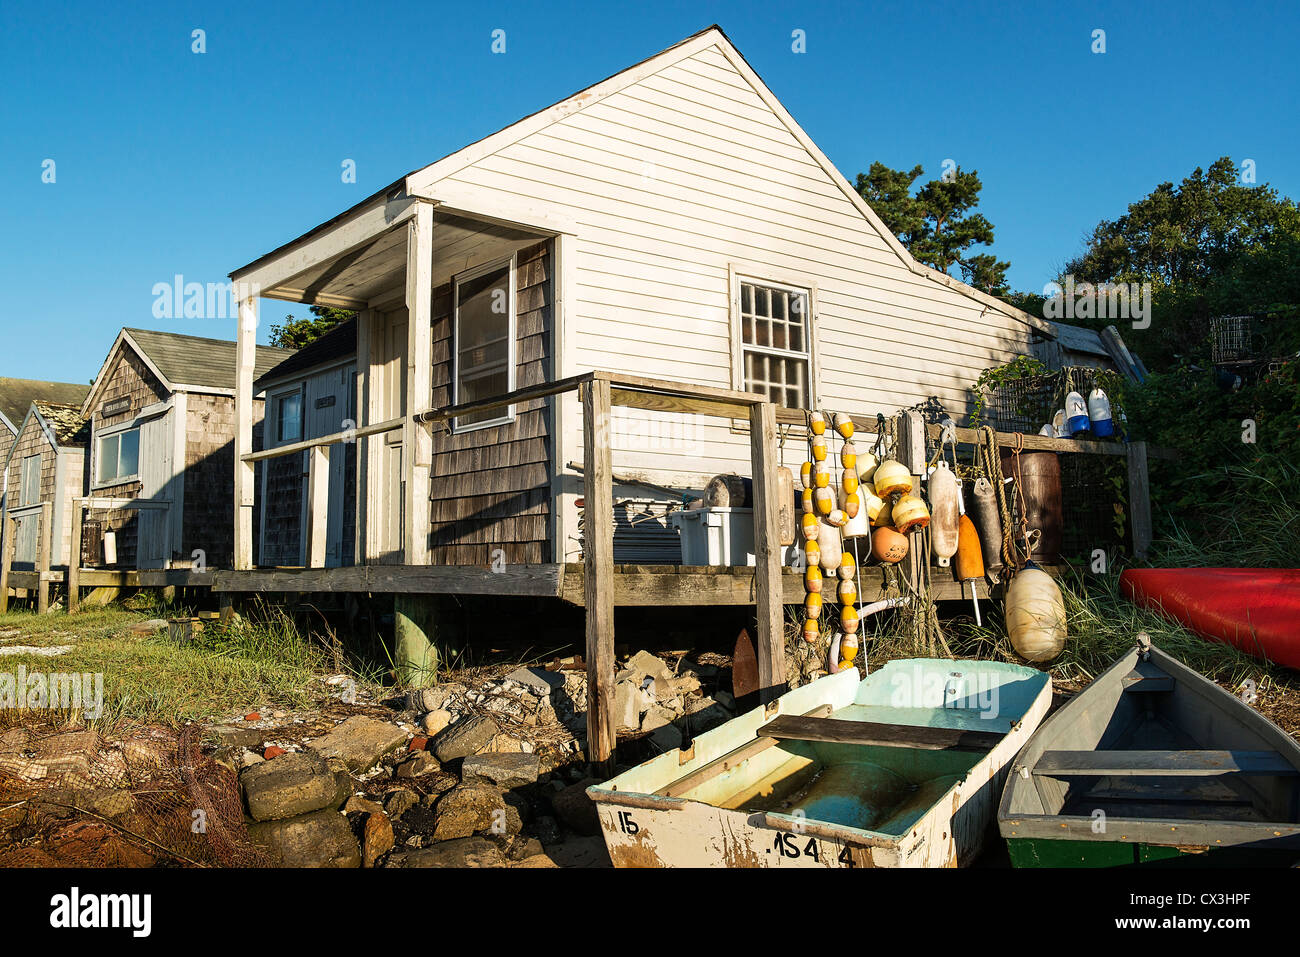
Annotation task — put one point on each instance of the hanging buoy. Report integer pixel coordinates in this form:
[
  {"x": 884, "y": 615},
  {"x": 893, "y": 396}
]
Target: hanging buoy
[
  {"x": 849, "y": 619},
  {"x": 849, "y": 482},
  {"x": 831, "y": 545},
  {"x": 909, "y": 512},
  {"x": 811, "y": 630},
  {"x": 859, "y": 524},
  {"x": 884, "y": 517},
  {"x": 838, "y": 517},
  {"x": 988, "y": 521},
  {"x": 848, "y": 591},
  {"x": 807, "y": 501},
  {"x": 812, "y": 579},
  {"x": 970, "y": 559},
  {"x": 812, "y": 605},
  {"x": 811, "y": 527},
  {"x": 888, "y": 546},
  {"x": 1099, "y": 414},
  {"x": 812, "y": 552},
  {"x": 819, "y": 448},
  {"x": 821, "y": 475},
  {"x": 843, "y": 425},
  {"x": 805, "y": 474},
  {"x": 848, "y": 567},
  {"x": 817, "y": 422},
  {"x": 1035, "y": 614},
  {"x": 874, "y": 503},
  {"x": 1076, "y": 414},
  {"x": 824, "y": 499},
  {"x": 892, "y": 477},
  {"x": 848, "y": 651},
  {"x": 852, "y": 504},
  {"x": 785, "y": 505},
  {"x": 944, "y": 509},
  {"x": 867, "y": 463}
]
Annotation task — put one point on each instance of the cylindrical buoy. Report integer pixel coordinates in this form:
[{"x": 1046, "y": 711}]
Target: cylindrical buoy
[
  {"x": 817, "y": 422},
  {"x": 812, "y": 551},
  {"x": 819, "y": 448},
  {"x": 848, "y": 567},
  {"x": 1035, "y": 613},
  {"x": 970, "y": 561},
  {"x": 843, "y": 425},
  {"x": 1076, "y": 414},
  {"x": 848, "y": 651},
  {"x": 849, "y": 481},
  {"x": 1040, "y": 473},
  {"x": 848, "y": 619},
  {"x": 805, "y": 474},
  {"x": 831, "y": 546},
  {"x": 812, "y": 527},
  {"x": 848, "y": 591},
  {"x": 1099, "y": 414},
  {"x": 888, "y": 546},
  {"x": 824, "y": 500},
  {"x": 821, "y": 475},
  {"x": 944, "y": 510},
  {"x": 859, "y": 524},
  {"x": 988, "y": 521},
  {"x": 892, "y": 477},
  {"x": 807, "y": 501},
  {"x": 812, "y": 630},
  {"x": 812, "y": 605},
  {"x": 812, "y": 579},
  {"x": 910, "y": 512}
]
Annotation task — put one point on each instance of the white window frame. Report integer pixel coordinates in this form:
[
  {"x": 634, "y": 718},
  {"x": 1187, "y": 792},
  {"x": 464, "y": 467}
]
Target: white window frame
[
  {"x": 99, "y": 436},
  {"x": 738, "y": 274},
  {"x": 277, "y": 404},
  {"x": 22, "y": 483},
  {"x": 512, "y": 360}
]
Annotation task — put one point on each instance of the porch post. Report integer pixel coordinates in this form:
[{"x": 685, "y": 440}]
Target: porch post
[
  {"x": 768, "y": 584},
  {"x": 245, "y": 356},
  {"x": 417, "y": 452},
  {"x": 598, "y": 576}
]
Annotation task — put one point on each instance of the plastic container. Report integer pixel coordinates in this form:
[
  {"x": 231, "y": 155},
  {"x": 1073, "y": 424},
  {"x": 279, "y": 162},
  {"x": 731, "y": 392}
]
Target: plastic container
[{"x": 720, "y": 536}]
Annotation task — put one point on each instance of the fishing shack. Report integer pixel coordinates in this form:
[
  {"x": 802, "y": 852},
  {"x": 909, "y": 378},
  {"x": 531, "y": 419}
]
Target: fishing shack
[{"x": 627, "y": 293}]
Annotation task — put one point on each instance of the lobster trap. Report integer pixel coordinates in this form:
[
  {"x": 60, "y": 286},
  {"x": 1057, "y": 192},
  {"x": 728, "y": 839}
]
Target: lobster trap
[{"x": 1027, "y": 403}]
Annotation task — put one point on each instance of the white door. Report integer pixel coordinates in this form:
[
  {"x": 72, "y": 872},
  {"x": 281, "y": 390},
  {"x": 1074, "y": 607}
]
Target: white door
[{"x": 156, "y": 477}]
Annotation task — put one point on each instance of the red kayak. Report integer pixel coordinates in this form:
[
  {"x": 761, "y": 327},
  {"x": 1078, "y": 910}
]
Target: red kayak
[{"x": 1254, "y": 609}]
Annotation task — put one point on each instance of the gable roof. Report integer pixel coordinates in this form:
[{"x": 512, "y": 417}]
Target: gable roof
[
  {"x": 184, "y": 363},
  {"x": 17, "y": 395},
  {"x": 336, "y": 345},
  {"x": 419, "y": 183},
  {"x": 65, "y": 424}
]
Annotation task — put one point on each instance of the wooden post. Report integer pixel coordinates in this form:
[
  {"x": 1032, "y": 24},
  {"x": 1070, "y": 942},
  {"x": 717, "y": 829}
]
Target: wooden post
[
  {"x": 1139, "y": 499},
  {"x": 245, "y": 357},
  {"x": 43, "y": 558},
  {"x": 415, "y": 630},
  {"x": 74, "y": 559},
  {"x": 767, "y": 552},
  {"x": 6, "y": 560},
  {"x": 598, "y": 577},
  {"x": 318, "y": 504},
  {"x": 911, "y": 454},
  {"x": 417, "y": 451}
]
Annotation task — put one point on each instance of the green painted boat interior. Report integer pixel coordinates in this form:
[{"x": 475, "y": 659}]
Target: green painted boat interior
[{"x": 878, "y": 789}]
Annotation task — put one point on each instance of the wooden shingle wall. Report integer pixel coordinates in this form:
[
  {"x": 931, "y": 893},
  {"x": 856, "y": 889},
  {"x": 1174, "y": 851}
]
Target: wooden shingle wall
[
  {"x": 208, "y": 522},
  {"x": 31, "y": 441},
  {"x": 490, "y": 488}
]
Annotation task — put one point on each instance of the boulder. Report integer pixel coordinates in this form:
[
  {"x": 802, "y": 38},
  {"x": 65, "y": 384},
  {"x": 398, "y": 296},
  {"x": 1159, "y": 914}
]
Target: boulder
[
  {"x": 503, "y": 771},
  {"x": 465, "y": 737},
  {"x": 656, "y": 718},
  {"x": 576, "y": 809},
  {"x": 644, "y": 664},
  {"x": 469, "y": 809},
  {"x": 320, "y": 839},
  {"x": 400, "y": 801},
  {"x": 360, "y": 741},
  {"x": 421, "y": 762},
  {"x": 358, "y": 804},
  {"x": 376, "y": 838},
  {"x": 538, "y": 680},
  {"x": 292, "y": 784},
  {"x": 435, "y": 721},
  {"x": 463, "y": 852}
]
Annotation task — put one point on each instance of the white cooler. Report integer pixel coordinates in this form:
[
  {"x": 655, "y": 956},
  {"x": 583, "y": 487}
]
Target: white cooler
[{"x": 719, "y": 536}]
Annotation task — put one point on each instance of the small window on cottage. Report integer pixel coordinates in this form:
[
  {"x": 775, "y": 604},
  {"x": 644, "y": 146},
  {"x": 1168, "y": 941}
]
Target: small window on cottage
[
  {"x": 119, "y": 456},
  {"x": 484, "y": 335},
  {"x": 288, "y": 418},
  {"x": 31, "y": 490},
  {"x": 774, "y": 336}
]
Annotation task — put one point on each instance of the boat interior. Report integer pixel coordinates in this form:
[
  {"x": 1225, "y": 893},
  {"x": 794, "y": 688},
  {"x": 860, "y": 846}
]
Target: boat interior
[
  {"x": 1152, "y": 746},
  {"x": 877, "y": 764}
]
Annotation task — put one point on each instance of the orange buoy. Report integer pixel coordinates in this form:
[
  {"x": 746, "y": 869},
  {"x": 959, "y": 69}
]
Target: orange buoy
[
  {"x": 888, "y": 546},
  {"x": 812, "y": 579},
  {"x": 970, "y": 559},
  {"x": 848, "y": 566},
  {"x": 811, "y": 630},
  {"x": 849, "y": 619},
  {"x": 812, "y": 605}
]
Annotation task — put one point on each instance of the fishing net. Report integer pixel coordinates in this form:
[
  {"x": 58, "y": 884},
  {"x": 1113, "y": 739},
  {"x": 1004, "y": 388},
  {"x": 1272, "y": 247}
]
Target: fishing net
[{"x": 68, "y": 798}]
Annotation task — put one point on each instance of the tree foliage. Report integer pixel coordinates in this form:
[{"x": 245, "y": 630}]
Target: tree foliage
[
  {"x": 295, "y": 333},
  {"x": 937, "y": 224}
]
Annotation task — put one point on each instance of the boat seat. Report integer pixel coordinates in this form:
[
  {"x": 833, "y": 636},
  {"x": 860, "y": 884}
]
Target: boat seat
[
  {"x": 840, "y": 731},
  {"x": 1160, "y": 763},
  {"x": 1146, "y": 677}
]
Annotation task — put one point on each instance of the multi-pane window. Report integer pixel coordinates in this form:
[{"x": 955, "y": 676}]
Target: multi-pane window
[
  {"x": 774, "y": 343},
  {"x": 31, "y": 489},
  {"x": 288, "y": 417},
  {"x": 484, "y": 341},
  {"x": 119, "y": 456}
]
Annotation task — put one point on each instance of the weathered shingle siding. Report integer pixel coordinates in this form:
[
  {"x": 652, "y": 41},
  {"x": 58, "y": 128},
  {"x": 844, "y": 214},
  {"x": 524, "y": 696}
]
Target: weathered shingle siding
[
  {"x": 32, "y": 441},
  {"x": 208, "y": 522},
  {"x": 490, "y": 488}
]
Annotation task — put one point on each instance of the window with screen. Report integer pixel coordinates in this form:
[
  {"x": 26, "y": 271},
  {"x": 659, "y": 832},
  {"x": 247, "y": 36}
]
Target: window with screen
[
  {"x": 288, "y": 417},
  {"x": 118, "y": 456},
  {"x": 774, "y": 343},
  {"x": 31, "y": 490},
  {"x": 484, "y": 333}
]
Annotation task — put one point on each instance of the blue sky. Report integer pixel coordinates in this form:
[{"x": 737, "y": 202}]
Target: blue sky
[{"x": 168, "y": 162}]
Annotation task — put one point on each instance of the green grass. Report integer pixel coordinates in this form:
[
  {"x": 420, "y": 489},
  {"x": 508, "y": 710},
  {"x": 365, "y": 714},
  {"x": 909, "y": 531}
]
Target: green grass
[{"x": 265, "y": 661}]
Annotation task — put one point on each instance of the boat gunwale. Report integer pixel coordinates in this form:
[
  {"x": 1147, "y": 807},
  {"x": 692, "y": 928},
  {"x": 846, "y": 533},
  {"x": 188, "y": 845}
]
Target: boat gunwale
[{"x": 1199, "y": 832}]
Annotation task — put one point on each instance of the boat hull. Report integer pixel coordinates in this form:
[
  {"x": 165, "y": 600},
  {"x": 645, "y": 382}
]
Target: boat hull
[
  {"x": 950, "y": 817},
  {"x": 1253, "y": 609},
  {"x": 1048, "y": 852}
]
